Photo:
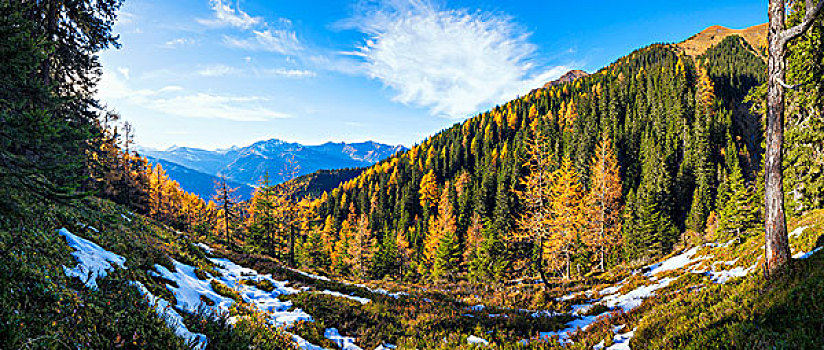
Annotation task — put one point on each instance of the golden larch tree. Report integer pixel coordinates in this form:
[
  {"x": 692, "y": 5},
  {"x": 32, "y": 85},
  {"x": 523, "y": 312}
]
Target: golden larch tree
[
  {"x": 604, "y": 202},
  {"x": 566, "y": 214},
  {"x": 533, "y": 224}
]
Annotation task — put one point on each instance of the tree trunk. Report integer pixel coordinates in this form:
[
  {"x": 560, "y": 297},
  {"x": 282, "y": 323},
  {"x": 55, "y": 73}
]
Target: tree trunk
[
  {"x": 777, "y": 250},
  {"x": 541, "y": 263}
]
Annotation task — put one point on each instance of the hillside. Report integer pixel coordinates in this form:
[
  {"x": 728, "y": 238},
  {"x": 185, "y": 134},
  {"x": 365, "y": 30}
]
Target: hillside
[
  {"x": 321, "y": 181},
  {"x": 617, "y": 210},
  {"x": 94, "y": 272},
  {"x": 201, "y": 184},
  {"x": 247, "y": 165},
  {"x": 674, "y": 140},
  {"x": 756, "y": 36}
]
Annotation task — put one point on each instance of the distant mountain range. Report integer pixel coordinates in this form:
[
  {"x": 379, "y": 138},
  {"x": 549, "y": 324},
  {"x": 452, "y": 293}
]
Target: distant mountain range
[
  {"x": 196, "y": 168},
  {"x": 198, "y": 182}
]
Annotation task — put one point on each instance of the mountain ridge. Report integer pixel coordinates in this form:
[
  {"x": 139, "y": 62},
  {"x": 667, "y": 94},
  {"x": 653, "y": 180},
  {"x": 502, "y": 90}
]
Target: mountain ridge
[
  {"x": 755, "y": 36},
  {"x": 283, "y": 160}
]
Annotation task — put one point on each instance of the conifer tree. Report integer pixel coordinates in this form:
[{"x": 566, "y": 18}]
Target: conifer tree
[
  {"x": 566, "y": 215},
  {"x": 361, "y": 247},
  {"x": 228, "y": 204},
  {"x": 441, "y": 226},
  {"x": 534, "y": 223},
  {"x": 604, "y": 202}
]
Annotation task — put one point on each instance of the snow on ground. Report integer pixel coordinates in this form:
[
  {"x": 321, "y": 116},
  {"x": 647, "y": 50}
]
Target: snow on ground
[
  {"x": 190, "y": 288},
  {"x": 345, "y": 343},
  {"x": 476, "y": 340},
  {"x": 172, "y": 318},
  {"x": 395, "y": 295},
  {"x": 312, "y": 276},
  {"x": 635, "y": 297},
  {"x": 798, "y": 231},
  {"x": 351, "y": 297},
  {"x": 385, "y": 346},
  {"x": 92, "y": 260},
  {"x": 190, "y": 291},
  {"x": 723, "y": 276},
  {"x": 676, "y": 262},
  {"x": 621, "y": 341},
  {"x": 303, "y": 344},
  {"x": 803, "y": 255},
  {"x": 205, "y": 248}
]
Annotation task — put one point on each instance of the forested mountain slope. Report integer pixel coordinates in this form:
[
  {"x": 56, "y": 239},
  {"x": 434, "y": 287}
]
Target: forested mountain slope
[{"x": 669, "y": 116}]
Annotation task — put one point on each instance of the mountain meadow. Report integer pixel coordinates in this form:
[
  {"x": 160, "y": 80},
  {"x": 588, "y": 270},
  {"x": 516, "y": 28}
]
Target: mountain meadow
[{"x": 673, "y": 199}]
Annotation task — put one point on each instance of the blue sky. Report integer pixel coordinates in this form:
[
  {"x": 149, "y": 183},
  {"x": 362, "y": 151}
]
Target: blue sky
[{"x": 212, "y": 74}]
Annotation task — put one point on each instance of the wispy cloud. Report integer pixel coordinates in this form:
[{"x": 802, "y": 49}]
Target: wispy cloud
[
  {"x": 205, "y": 105},
  {"x": 257, "y": 34},
  {"x": 176, "y": 101},
  {"x": 227, "y": 16},
  {"x": 124, "y": 71},
  {"x": 281, "y": 41},
  {"x": 453, "y": 62},
  {"x": 290, "y": 73},
  {"x": 178, "y": 42},
  {"x": 217, "y": 70}
]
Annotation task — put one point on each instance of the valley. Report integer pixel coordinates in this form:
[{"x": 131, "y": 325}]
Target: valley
[{"x": 672, "y": 198}]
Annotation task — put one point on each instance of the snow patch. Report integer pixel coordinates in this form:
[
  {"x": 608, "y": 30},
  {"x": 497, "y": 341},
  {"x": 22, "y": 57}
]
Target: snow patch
[
  {"x": 807, "y": 254},
  {"x": 345, "y": 343},
  {"x": 476, "y": 340},
  {"x": 172, "y": 318},
  {"x": 351, "y": 297},
  {"x": 798, "y": 231},
  {"x": 724, "y": 276},
  {"x": 635, "y": 297},
  {"x": 92, "y": 260},
  {"x": 674, "y": 263}
]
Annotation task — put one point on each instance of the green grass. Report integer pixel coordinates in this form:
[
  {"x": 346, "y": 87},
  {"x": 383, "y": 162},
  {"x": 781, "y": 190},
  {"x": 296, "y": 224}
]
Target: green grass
[{"x": 42, "y": 308}]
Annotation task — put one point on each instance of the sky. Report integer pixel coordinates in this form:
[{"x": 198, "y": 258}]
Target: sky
[{"x": 214, "y": 73}]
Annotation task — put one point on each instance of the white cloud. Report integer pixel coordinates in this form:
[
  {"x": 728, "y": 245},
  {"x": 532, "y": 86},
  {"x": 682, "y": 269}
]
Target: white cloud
[
  {"x": 258, "y": 34},
  {"x": 178, "y": 42},
  {"x": 217, "y": 70},
  {"x": 124, "y": 71},
  {"x": 227, "y": 16},
  {"x": 281, "y": 41},
  {"x": 204, "y": 105},
  {"x": 453, "y": 62},
  {"x": 174, "y": 100},
  {"x": 290, "y": 73}
]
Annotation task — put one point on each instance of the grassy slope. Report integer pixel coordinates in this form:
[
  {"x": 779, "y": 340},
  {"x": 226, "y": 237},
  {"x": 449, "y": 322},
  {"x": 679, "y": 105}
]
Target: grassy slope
[{"x": 41, "y": 308}]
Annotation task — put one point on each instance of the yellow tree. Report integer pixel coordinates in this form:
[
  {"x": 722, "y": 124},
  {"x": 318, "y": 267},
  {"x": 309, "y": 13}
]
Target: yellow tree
[
  {"x": 429, "y": 190},
  {"x": 474, "y": 237},
  {"x": 566, "y": 214},
  {"x": 439, "y": 227},
  {"x": 604, "y": 201},
  {"x": 533, "y": 224},
  {"x": 404, "y": 249},
  {"x": 361, "y": 247}
]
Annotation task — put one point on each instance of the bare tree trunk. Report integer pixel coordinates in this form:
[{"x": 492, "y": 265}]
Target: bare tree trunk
[
  {"x": 777, "y": 250},
  {"x": 777, "y": 247},
  {"x": 541, "y": 263}
]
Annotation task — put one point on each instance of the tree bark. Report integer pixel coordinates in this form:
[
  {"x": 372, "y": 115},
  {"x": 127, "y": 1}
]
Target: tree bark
[
  {"x": 777, "y": 247},
  {"x": 777, "y": 250}
]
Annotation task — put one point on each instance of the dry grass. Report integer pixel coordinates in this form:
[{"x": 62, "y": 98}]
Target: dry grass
[{"x": 696, "y": 45}]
